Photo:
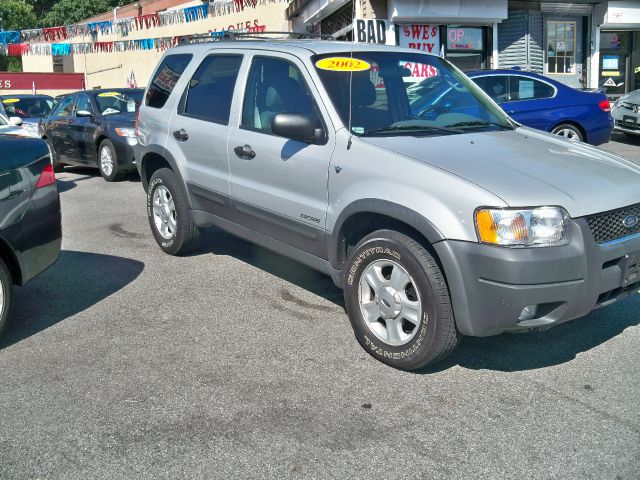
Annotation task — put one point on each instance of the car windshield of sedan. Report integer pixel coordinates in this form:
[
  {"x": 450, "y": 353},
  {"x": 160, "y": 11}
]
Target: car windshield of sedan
[
  {"x": 28, "y": 107},
  {"x": 111, "y": 103},
  {"x": 396, "y": 93}
]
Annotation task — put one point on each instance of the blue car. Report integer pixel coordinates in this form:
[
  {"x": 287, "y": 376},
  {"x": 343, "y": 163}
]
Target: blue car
[{"x": 540, "y": 102}]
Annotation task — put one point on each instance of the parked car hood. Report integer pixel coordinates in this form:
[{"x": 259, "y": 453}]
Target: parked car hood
[
  {"x": 528, "y": 167},
  {"x": 632, "y": 97},
  {"x": 121, "y": 119}
]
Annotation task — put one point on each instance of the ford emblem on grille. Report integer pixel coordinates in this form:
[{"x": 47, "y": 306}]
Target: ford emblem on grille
[{"x": 630, "y": 221}]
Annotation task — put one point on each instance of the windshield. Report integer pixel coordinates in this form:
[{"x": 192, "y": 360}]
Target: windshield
[
  {"x": 29, "y": 107},
  {"x": 397, "y": 93},
  {"x": 111, "y": 103}
]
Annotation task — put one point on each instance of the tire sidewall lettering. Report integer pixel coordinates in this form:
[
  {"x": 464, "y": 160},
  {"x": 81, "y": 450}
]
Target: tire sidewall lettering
[{"x": 359, "y": 260}]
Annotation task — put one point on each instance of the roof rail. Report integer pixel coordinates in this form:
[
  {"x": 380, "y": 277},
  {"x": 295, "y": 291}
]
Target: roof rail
[{"x": 248, "y": 34}]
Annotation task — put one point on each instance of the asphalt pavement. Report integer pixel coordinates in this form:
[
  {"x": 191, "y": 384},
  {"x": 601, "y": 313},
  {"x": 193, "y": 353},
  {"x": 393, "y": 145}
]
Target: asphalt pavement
[{"x": 235, "y": 362}]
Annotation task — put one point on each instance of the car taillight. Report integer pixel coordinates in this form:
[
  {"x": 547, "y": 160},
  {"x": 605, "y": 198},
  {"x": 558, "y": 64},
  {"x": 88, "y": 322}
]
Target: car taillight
[
  {"x": 47, "y": 177},
  {"x": 604, "y": 105}
]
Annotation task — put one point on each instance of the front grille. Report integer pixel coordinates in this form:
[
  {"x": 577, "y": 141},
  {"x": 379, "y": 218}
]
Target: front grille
[
  {"x": 627, "y": 125},
  {"x": 609, "y": 226},
  {"x": 630, "y": 106}
]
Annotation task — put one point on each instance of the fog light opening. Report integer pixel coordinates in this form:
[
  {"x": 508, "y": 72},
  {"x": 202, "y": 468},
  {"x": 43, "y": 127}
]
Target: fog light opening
[{"x": 528, "y": 313}]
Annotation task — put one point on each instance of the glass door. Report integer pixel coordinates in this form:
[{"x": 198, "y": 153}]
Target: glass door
[
  {"x": 614, "y": 73},
  {"x": 563, "y": 50}
]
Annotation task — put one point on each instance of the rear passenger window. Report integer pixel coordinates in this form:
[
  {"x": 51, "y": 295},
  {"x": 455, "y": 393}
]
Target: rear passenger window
[
  {"x": 523, "y": 88},
  {"x": 210, "y": 91},
  {"x": 165, "y": 78},
  {"x": 496, "y": 86}
]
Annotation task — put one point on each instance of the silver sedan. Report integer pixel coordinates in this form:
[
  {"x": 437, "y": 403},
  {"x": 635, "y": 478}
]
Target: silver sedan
[{"x": 626, "y": 113}]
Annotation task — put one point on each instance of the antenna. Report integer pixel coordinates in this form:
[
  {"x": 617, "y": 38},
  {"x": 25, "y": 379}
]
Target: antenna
[{"x": 353, "y": 13}]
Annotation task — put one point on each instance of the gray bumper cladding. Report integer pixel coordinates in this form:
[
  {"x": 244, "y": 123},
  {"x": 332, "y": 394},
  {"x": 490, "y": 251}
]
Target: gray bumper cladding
[{"x": 490, "y": 286}]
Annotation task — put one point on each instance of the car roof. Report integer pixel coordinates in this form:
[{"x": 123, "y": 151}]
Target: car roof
[
  {"x": 302, "y": 47},
  {"x": 26, "y": 95}
]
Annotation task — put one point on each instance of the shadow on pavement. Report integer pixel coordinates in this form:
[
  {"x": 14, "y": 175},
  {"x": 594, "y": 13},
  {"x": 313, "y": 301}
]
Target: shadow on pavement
[
  {"x": 66, "y": 184},
  {"x": 528, "y": 351},
  {"x": 626, "y": 139},
  {"x": 219, "y": 242},
  {"x": 77, "y": 281}
]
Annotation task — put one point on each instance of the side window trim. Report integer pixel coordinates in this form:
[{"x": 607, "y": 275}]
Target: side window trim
[
  {"x": 306, "y": 77},
  {"x": 555, "y": 90},
  {"x": 182, "y": 102}
]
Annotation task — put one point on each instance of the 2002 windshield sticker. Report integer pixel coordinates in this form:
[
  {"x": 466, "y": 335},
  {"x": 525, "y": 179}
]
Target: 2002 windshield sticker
[{"x": 343, "y": 64}]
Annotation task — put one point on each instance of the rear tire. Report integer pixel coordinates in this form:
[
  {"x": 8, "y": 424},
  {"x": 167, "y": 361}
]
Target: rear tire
[
  {"x": 6, "y": 286},
  {"x": 398, "y": 301},
  {"x": 169, "y": 214},
  {"x": 108, "y": 162},
  {"x": 568, "y": 131}
]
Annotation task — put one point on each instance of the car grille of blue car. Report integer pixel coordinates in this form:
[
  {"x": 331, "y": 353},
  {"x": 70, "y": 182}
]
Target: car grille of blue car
[{"x": 616, "y": 224}]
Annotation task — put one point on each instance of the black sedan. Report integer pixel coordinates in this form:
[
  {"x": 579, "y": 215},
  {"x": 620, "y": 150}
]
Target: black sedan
[
  {"x": 94, "y": 128},
  {"x": 30, "y": 221}
]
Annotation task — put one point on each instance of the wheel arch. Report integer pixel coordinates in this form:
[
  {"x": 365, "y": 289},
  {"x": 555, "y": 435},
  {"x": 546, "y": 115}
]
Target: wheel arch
[
  {"x": 154, "y": 158},
  {"x": 11, "y": 260},
  {"x": 573, "y": 123},
  {"x": 368, "y": 215}
]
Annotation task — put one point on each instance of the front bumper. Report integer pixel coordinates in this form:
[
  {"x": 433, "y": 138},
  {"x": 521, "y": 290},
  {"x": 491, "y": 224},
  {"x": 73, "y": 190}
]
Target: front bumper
[
  {"x": 626, "y": 120},
  {"x": 125, "y": 152},
  {"x": 490, "y": 286}
]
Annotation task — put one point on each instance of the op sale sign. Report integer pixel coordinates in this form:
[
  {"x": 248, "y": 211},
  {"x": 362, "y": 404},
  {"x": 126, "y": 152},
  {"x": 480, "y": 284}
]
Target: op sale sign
[{"x": 420, "y": 37}]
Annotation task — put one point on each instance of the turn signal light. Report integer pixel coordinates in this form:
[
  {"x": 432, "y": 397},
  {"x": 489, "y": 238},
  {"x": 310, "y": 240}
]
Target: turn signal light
[
  {"x": 604, "y": 106},
  {"x": 47, "y": 177}
]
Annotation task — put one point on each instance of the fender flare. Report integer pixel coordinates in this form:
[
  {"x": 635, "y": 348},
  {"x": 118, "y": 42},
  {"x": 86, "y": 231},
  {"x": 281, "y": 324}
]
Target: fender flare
[
  {"x": 168, "y": 157},
  {"x": 382, "y": 207}
]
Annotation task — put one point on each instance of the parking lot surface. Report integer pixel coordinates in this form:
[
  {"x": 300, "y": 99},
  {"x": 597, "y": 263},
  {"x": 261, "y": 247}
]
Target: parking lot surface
[{"x": 235, "y": 362}]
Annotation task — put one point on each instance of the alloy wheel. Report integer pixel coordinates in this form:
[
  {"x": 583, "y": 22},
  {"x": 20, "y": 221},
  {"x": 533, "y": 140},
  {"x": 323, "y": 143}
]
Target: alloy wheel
[
  {"x": 164, "y": 212},
  {"x": 390, "y": 302}
]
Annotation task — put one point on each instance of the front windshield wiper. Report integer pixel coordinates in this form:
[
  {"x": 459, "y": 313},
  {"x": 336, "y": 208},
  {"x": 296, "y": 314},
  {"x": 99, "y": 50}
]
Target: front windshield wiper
[
  {"x": 478, "y": 123},
  {"x": 408, "y": 129}
]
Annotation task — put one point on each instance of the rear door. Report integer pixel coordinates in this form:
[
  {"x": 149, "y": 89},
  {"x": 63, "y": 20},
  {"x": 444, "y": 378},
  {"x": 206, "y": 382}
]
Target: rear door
[
  {"x": 81, "y": 131},
  {"x": 199, "y": 128},
  {"x": 58, "y": 130},
  {"x": 533, "y": 102}
]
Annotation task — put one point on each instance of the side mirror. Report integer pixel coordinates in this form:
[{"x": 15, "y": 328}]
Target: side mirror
[
  {"x": 84, "y": 113},
  {"x": 297, "y": 126},
  {"x": 17, "y": 121}
]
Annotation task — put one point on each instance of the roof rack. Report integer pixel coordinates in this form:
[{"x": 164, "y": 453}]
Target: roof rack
[{"x": 249, "y": 34}]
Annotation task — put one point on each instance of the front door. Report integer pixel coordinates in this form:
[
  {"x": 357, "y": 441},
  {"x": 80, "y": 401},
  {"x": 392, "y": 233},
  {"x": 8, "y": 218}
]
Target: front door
[
  {"x": 564, "y": 58},
  {"x": 81, "y": 130},
  {"x": 58, "y": 128},
  {"x": 278, "y": 185},
  {"x": 199, "y": 128}
]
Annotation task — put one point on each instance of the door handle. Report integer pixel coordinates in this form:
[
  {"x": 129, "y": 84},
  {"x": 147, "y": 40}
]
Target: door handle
[
  {"x": 245, "y": 152},
  {"x": 181, "y": 135}
]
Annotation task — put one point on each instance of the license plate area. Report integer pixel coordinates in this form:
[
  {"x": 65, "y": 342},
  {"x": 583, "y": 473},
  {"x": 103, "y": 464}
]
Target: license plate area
[{"x": 630, "y": 120}]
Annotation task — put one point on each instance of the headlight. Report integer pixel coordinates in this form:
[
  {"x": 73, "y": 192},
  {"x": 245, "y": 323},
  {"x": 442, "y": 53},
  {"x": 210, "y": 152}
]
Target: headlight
[
  {"x": 126, "y": 132},
  {"x": 536, "y": 227}
]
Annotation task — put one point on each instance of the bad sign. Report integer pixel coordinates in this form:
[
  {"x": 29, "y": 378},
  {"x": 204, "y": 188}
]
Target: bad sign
[{"x": 371, "y": 30}]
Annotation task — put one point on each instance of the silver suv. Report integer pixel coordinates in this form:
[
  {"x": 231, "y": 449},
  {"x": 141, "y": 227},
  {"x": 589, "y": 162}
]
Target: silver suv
[{"x": 390, "y": 171}]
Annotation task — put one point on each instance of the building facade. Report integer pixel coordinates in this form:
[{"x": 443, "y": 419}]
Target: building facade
[{"x": 583, "y": 43}]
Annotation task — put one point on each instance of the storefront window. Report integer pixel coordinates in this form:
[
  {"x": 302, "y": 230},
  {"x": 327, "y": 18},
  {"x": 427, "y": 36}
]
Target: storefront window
[
  {"x": 561, "y": 42},
  {"x": 465, "y": 47}
]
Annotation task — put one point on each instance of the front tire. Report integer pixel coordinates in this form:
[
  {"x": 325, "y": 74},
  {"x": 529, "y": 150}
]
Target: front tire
[
  {"x": 398, "y": 302},
  {"x": 568, "y": 131},
  {"x": 6, "y": 286},
  {"x": 169, "y": 214},
  {"x": 108, "y": 162}
]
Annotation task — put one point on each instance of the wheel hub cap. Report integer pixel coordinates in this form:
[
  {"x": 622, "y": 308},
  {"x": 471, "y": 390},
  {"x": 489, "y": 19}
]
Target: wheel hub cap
[
  {"x": 106, "y": 161},
  {"x": 389, "y": 302},
  {"x": 164, "y": 212}
]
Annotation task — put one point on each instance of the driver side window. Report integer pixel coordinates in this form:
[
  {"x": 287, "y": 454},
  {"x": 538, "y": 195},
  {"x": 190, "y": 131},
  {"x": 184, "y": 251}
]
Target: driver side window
[
  {"x": 83, "y": 103},
  {"x": 65, "y": 107},
  {"x": 274, "y": 86}
]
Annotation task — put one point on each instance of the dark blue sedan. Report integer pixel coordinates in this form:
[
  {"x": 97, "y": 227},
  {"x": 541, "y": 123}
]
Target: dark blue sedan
[{"x": 540, "y": 102}]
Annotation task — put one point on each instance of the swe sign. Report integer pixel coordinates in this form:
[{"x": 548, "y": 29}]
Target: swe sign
[{"x": 420, "y": 37}]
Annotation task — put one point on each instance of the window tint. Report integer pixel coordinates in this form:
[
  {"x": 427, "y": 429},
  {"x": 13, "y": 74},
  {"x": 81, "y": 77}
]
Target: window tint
[
  {"x": 27, "y": 107},
  {"x": 523, "y": 88},
  {"x": 83, "y": 103},
  {"x": 165, "y": 78},
  {"x": 496, "y": 86},
  {"x": 65, "y": 107},
  {"x": 211, "y": 88},
  {"x": 274, "y": 86}
]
